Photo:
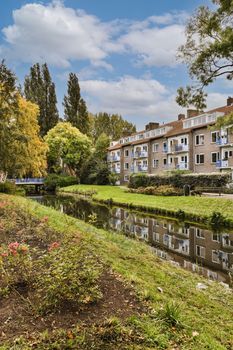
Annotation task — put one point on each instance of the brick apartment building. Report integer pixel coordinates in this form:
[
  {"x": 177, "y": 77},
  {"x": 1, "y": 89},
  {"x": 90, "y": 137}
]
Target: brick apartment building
[{"x": 186, "y": 144}]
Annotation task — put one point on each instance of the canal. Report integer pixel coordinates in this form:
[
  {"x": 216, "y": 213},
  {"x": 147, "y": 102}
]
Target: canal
[{"x": 197, "y": 249}]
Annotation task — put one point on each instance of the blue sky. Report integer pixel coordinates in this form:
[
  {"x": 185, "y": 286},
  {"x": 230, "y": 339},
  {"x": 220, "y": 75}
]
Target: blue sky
[{"x": 123, "y": 51}]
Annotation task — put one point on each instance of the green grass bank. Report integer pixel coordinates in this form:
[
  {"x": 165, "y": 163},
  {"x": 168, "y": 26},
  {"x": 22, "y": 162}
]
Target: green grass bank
[
  {"x": 178, "y": 316},
  {"x": 192, "y": 208}
]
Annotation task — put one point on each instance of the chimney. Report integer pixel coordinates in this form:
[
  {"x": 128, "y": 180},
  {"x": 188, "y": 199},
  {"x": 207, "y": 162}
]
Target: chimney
[
  {"x": 181, "y": 116},
  {"x": 230, "y": 101},
  {"x": 192, "y": 113},
  {"x": 152, "y": 126}
]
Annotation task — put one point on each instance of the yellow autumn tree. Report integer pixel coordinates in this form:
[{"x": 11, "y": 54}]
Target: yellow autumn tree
[{"x": 30, "y": 149}]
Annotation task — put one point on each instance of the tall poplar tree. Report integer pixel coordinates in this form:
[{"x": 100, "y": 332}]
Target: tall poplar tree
[
  {"x": 39, "y": 88},
  {"x": 75, "y": 109}
]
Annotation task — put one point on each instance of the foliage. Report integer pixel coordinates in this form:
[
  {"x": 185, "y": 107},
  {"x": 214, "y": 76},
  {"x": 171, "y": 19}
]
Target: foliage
[
  {"x": 101, "y": 145},
  {"x": 171, "y": 315},
  {"x": 75, "y": 109},
  {"x": 208, "y": 51},
  {"x": 164, "y": 190},
  {"x": 22, "y": 150},
  {"x": 8, "y": 187},
  {"x": 39, "y": 89},
  {"x": 113, "y": 178},
  {"x": 204, "y": 314},
  {"x": 179, "y": 181},
  {"x": 68, "y": 147},
  {"x": 54, "y": 181},
  {"x": 67, "y": 276},
  {"x": 217, "y": 220},
  {"x": 15, "y": 266},
  {"x": 225, "y": 121},
  {"x": 113, "y": 125}
]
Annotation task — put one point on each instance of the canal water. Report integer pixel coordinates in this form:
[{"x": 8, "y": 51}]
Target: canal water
[{"x": 197, "y": 249}]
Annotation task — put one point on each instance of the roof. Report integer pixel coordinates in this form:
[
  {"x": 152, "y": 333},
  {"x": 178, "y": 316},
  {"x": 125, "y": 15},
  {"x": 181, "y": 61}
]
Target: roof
[{"x": 177, "y": 128}]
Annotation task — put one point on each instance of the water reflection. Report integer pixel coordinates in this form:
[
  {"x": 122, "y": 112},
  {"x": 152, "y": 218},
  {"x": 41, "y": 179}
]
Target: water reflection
[{"x": 192, "y": 247}]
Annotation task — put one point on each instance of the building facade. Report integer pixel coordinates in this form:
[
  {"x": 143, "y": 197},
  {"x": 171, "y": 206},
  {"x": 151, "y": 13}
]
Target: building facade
[{"x": 190, "y": 143}]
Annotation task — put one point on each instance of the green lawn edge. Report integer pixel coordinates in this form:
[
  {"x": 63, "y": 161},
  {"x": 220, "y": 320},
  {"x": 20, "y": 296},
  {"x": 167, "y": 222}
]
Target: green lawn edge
[
  {"x": 195, "y": 209},
  {"x": 208, "y": 313}
]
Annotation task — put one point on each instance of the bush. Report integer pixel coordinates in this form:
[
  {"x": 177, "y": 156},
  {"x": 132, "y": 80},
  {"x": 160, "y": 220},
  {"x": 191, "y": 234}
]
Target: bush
[
  {"x": 67, "y": 275},
  {"x": 8, "y": 187},
  {"x": 179, "y": 180},
  {"x": 165, "y": 190},
  {"x": 54, "y": 181}
]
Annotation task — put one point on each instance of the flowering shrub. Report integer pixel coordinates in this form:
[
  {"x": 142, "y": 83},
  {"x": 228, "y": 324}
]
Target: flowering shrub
[
  {"x": 166, "y": 190},
  {"x": 15, "y": 265},
  {"x": 67, "y": 276}
]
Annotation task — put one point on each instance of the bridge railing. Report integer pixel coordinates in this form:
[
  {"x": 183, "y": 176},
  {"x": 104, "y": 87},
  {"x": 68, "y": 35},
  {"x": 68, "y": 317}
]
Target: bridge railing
[{"x": 35, "y": 180}]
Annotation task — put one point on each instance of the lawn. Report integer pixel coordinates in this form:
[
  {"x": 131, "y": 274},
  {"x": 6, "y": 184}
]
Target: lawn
[
  {"x": 193, "y": 206},
  {"x": 173, "y": 312}
]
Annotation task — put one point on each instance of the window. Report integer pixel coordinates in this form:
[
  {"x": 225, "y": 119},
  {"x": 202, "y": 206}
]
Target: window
[
  {"x": 184, "y": 141},
  {"x": 126, "y": 178},
  {"x": 216, "y": 237},
  {"x": 165, "y": 161},
  {"x": 126, "y": 153},
  {"x": 200, "y": 251},
  {"x": 199, "y": 140},
  {"x": 199, "y": 233},
  {"x": 155, "y": 163},
  {"x": 126, "y": 166},
  {"x": 215, "y": 136},
  {"x": 199, "y": 158},
  {"x": 214, "y": 157},
  {"x": 215, "y": 257},
  {"x": 227, "y": 154},
  {"x": 144, "y": 148},
  {"x": 155, "y": 147}
]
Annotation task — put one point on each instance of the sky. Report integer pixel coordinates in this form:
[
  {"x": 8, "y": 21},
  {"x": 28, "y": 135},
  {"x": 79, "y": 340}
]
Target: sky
[{"x": 124, "y": 52}]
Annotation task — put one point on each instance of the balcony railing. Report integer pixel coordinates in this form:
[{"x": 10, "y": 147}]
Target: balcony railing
[
  {"x": 222, "y": 164},
  {"x": 115, "y": 158},
  {"x": 179, "y": 166},
  {"x": 165, "y": 149},
  {"x": 222, "y": 141},
  {"x": 180, "y": 148},
  {"x": 140, "y": 168},
  {"x": 140, "y": 154},
  {"x": 116, "y": 170}
]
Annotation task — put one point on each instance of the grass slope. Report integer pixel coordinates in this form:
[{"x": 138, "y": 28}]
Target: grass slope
[
  {"x": 206, "y": 315},
  {"x": 194, "y": 206}
]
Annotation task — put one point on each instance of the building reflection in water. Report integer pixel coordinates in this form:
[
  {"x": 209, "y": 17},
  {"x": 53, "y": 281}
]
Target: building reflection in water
[{"x": 194, "y": 248}]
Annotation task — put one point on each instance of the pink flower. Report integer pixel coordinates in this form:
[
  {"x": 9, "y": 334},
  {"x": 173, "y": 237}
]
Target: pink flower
[
  {"x": 4, "y": 254},
  {"x": 53, "y": 245}
]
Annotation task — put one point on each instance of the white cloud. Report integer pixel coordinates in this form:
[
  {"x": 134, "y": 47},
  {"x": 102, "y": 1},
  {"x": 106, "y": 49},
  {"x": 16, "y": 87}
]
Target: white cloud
[
  {"x": 154, "y": 46},
  {"x": 216, "y": 99},
  {"x": 58, "y": 35},
  {"x": 140, "y": 100}
]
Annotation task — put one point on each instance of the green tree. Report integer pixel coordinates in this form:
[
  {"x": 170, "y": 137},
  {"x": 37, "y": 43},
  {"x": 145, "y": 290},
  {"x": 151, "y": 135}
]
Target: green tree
[
  {"x": 39, "y": 88},
  {"x": 101, "y": 146},
  {"x": 68, "y": 147},
  {"x": 75, "y": 109},
  {"x": 208, "y": 51},
  {"x": 113, "y": 125}
]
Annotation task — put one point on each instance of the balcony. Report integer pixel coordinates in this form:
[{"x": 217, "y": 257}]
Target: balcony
[
  {"x": 179, "y": 166},
  {"x": 222, "y": 164},
  {"x": 221, "y": 141},
  {"x": 116, "y": 158},
  {"x": 140, "y": 168},
  {"x": 141, "y": 154},
  {"x": 116, "y": 170},
  {"x": 165, "y": 149},
  {"x": 180, "y": 148}
]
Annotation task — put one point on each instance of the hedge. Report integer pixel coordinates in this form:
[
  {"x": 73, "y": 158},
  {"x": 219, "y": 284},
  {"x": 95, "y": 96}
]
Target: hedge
[{"x": 179, "y": 180}]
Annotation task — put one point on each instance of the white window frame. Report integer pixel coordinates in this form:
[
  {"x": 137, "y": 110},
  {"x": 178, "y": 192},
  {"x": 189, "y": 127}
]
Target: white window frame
[
  {"x": 155, "y": 147},
  {"x": 199, "y": 154},
  {"x": 214, "y": 132},
  {"x": 217, "y": 157},
  {"x": 155, "y": 166},
  {"x": 202, "y": 249},
  {"x": 126, "y": 151},
  {"x": 126, "y": 167},
  {"x": 213, "y": 260},
  {"x": 199, "y": 138}
]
